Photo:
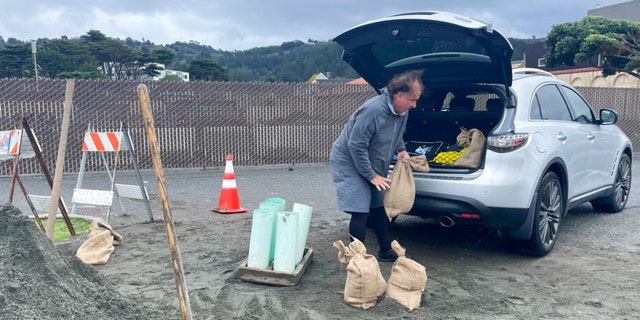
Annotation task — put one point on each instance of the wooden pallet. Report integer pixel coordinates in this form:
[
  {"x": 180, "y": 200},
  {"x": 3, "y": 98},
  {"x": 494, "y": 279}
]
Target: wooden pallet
[{"x": 276, "y": 278}]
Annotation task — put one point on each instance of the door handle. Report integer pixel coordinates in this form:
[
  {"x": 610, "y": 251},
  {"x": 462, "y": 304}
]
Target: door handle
[{"x": 561, "y": 137}]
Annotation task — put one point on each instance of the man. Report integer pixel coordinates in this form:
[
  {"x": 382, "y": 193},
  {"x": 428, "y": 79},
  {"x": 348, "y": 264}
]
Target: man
[{"x": 361, "y": 156}]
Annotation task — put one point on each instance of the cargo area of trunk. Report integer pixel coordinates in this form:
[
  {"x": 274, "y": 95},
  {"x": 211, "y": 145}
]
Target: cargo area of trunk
[{"x": 439, "y": 116}]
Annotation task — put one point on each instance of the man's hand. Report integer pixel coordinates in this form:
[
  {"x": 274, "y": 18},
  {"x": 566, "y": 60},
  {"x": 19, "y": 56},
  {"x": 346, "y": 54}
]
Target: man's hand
[
  {"x": 381, "y": 183},
  {"x": 403, "y": 156}
]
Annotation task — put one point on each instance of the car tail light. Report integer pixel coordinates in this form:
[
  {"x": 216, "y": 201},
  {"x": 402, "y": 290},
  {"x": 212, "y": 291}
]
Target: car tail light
[{"x": 507, "y": 142}]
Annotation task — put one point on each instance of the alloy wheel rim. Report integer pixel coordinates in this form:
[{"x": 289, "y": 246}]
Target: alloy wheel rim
[
  {"x": 549, "y": 214},
  {"x": 623, "y": 182}
]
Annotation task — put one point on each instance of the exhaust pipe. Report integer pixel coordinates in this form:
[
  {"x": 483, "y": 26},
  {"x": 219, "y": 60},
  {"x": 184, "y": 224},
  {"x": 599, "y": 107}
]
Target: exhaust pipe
[{"x": 446, "y": 221}]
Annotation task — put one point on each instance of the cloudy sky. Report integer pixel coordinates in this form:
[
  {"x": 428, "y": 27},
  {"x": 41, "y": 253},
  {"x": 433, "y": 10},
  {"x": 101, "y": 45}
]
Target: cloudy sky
[{"x": 245, "y": 24}]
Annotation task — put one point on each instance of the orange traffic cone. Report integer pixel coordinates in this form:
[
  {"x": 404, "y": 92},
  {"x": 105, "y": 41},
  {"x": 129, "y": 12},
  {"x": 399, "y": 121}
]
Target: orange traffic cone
[{"x": 229, "y": 201}]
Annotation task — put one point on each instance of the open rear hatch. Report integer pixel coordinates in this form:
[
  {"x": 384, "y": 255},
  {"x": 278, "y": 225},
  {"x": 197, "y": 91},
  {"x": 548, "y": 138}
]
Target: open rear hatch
[
  {"x": 449, "y": 47},
  {"x": 467, "y": 72}
]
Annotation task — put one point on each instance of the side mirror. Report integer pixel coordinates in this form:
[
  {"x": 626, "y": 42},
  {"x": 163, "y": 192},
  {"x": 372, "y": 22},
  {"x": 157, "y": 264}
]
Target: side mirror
[{"x": 608, "y": 116}]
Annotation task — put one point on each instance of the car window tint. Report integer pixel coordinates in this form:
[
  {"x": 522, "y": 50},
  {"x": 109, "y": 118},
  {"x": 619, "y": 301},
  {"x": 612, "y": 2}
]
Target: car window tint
[
  {"x": 552, "y": 104},
  {"x": 387, "y": 52},
  {"x": 534, "y": 113},
  {"x": 579, "y": 108}
]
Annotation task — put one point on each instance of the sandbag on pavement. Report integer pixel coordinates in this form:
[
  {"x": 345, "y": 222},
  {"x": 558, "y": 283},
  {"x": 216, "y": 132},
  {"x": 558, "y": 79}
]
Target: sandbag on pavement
[
  {"x": 99, "y": 244},
  {"x": 364, "y": 281},
  {"x": 408, "y": 279}
]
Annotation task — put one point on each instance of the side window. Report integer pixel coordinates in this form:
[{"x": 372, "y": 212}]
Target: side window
[
  {"x": 552, "y": 105},
  {"x": 579, "y": 108}
]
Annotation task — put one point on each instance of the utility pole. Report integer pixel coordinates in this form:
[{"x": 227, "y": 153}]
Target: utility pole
[{"x": 33, "y": 52}]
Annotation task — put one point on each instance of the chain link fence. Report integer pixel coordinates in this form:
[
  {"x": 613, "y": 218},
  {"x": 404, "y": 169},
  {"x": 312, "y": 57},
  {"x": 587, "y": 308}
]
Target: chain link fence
[
  {"x": 199, "y": 123},
  {"x": 622, "y": 100}
]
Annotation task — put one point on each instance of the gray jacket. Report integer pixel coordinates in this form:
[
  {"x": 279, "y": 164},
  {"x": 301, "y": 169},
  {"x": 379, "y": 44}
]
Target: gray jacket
[{"x": 365, "y": 147}]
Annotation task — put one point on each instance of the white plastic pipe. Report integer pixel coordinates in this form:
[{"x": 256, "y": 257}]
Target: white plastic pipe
[
  {"x": 261, "y": 238},
  {"x": 304, "y": 220},
  {"x": 285, "y": 249},
  {"x": 275, "y": 207},
  {"x": 278, "y": 201}
]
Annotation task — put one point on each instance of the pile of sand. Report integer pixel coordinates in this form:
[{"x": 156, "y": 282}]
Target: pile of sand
[{"x": 37, "y": 282}]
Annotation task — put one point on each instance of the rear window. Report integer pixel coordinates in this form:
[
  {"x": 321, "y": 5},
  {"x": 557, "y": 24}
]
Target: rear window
[{"x": 420, "y": 48}]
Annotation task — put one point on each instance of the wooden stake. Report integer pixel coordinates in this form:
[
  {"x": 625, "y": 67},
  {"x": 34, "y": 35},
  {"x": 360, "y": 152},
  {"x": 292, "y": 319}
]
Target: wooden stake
[
  {"x": 178, "y": 273},
  {"x": 62, "y": 148}
]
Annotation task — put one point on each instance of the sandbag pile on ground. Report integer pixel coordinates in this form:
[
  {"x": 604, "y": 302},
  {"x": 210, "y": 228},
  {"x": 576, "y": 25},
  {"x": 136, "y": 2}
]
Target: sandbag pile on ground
[{"x": 365, "y": 284}]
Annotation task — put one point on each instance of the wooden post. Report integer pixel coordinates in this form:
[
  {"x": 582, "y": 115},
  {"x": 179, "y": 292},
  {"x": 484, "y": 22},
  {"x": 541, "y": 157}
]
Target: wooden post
[
  {"x": 178, "y": 273},
  {"x": 62, "y": 149}
]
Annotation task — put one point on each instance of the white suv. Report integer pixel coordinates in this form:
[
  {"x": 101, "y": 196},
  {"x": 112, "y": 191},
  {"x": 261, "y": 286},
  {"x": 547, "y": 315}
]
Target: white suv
[{"x": 545, "y": 151}]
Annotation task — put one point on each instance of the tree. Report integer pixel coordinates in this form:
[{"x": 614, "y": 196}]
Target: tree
[
  {"x": 242, "y": 74},
  {"x": 93, "y": 36},
  {"x": 152, "y": 69},
  {"x": 615, "y": 41},
  {"x": 117, "y": 60},
  {"x": 16, "y": 62},
  {"x": 93, "y": 75},
  {"x": 519, "y": 47},
  {"x": 62, "y": 58},
  {"x": 207, "y": 70},
  {"x": 163, "y": 55}
]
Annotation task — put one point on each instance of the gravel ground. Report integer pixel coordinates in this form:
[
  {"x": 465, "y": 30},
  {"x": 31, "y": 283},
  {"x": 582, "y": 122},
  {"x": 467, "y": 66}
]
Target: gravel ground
[{"x": 592, "y": 273}]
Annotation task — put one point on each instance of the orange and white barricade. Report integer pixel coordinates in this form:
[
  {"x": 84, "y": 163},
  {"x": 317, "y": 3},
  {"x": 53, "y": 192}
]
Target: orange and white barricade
[
  {"x": 101, "y": 142},
  {"x": 10, "y": 144}
]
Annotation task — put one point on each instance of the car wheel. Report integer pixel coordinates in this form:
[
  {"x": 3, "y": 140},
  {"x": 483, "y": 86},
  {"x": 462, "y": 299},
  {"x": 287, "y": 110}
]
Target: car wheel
[
  {"x": 621, "y": 188},
  {"x": 547, "y": 215}
]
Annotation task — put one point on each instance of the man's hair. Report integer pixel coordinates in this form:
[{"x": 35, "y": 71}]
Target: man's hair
[{"x": 403, "y": 81}]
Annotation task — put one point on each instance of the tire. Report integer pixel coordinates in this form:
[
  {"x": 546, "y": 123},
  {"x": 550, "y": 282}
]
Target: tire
[
  {"x": 617, "y": 199},
  {"x": 549, "y": 209}
]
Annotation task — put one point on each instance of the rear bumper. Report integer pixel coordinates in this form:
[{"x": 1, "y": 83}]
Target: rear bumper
[{"x": 465, "y": 210}]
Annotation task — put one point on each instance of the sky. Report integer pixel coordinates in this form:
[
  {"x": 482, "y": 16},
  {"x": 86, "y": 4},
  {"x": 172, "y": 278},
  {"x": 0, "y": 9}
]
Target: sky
[{"x": 244, "y": 24}]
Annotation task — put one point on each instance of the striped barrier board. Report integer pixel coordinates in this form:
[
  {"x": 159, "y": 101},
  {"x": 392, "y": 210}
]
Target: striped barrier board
[
  {"x": 10, "y": 142},
  {"x": 103, "y": 141}
]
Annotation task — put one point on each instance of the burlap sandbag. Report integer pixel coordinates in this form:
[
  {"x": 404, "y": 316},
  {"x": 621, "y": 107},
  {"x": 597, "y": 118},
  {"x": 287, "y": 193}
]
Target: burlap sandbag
[
  {"x": 364, "y": 282},
  {"x": 473, "y": 140},
  {"x": 463, "y": 138},
  {"x": 399, "y": 198},
  {"x": 407, "y": 280},
  {"x": 419, "y": 163},
  {"x": 99, "y": 246}
]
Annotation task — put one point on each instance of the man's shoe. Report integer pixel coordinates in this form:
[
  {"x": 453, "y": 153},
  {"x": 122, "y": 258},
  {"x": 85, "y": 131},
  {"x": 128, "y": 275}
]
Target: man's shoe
[{"x": 387, "y": 256}]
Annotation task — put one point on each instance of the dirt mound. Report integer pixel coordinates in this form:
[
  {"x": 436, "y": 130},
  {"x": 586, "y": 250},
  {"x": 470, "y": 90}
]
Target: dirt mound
[{"x": 37, "y": 282}]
